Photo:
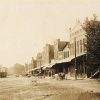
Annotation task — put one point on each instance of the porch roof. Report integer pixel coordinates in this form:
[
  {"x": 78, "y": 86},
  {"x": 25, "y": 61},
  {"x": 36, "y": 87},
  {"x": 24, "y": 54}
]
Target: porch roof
[
  {"x": 64, "y": 60},
  {"x": 61, "y": 61}
]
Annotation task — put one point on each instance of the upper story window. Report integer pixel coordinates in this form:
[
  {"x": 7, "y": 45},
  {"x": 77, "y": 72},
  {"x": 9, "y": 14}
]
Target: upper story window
[
  {"x": 68, "y": 54},
  {"x": 72, "y": 49},
  {"x": 84, "y": 44},
  {"x": 80, "y": 46},
  {"x": 77, "y": 45},
  {"x": 65, "y": 54}
]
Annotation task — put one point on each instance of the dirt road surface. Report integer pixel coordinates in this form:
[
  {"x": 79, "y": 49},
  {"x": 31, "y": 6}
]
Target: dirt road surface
[{"x": 21, "y": 88}]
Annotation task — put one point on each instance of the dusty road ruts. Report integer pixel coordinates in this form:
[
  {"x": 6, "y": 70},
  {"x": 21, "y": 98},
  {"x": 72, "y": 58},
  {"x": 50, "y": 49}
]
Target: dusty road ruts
[{"x": 42, "y": 89}]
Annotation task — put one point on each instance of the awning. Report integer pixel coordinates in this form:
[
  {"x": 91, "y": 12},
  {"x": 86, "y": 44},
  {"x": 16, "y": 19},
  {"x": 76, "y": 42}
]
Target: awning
[
  {"x": 64, "y": 60},
  {"x": 46, "y": 66},
  {"x": 73, "y": 57},
  {"x": 69, "y": 58},
  {"x": 52, "y": 64},
  {"x": 35, "y": 69},
  {"x": 57, "y": 62}
]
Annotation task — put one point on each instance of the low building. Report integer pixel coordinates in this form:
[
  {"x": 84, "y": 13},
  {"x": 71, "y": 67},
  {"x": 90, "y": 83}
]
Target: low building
[{"x": 3, "y": 72}]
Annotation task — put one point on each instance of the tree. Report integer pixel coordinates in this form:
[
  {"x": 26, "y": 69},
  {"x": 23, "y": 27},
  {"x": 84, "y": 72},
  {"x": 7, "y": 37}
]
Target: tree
[
  {"x": 92, "y": 28},
  {"x": 16, "y": 69}
]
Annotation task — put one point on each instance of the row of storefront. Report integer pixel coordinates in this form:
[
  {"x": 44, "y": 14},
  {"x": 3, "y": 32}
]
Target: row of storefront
[
  {"x": 66, "y": 66},
  {"x": 68, "y": 57}
]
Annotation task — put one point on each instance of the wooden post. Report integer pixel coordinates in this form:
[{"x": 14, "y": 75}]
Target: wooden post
[{"x": 75, "y": 60}]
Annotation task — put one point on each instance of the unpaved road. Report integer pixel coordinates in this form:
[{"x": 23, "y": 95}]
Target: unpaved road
[{"x": 48, "y": 89}]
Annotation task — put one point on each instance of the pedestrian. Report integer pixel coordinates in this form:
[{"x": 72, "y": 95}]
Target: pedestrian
[
  {"x": 62, "y": 75},
  {"x": 66, "y": 75}
]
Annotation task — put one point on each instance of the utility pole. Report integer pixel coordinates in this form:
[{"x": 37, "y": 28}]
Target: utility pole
[
  {"x": 25, "y": 68},
  {"x": 75, "y": 60}
]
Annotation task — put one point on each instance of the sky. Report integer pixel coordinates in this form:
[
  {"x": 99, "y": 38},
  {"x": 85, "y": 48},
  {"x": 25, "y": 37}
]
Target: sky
[{"x": 27, "y": 25}]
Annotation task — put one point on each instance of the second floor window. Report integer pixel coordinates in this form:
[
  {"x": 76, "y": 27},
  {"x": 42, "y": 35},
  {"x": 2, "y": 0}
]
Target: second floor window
[
  {"x": 77, "y": 50},
  {"x": 80, "y": 46},
  {"x": 84, "y": 44}
]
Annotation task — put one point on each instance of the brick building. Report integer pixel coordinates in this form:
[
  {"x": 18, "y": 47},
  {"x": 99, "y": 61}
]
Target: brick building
[
  {"x": 72, "y": 54},
  {"x": 47, "y": 54},
  {"x": 77, "y": 36},
  {"x": 77, "y": 50},
  {"x": 58, "y": 49}
]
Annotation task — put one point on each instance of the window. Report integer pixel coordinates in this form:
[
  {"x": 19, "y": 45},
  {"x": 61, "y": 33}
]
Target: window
[
  {"x": 77, "y": 50},
  {"x": 73, "y": 49},
  {"x": 68, "y": 54},
  {"x": 70, "y": 49},
  {"x": 80, "y": 46},
  {"x": 84, "y": 45},
  {"x": 65, "y": 54}
]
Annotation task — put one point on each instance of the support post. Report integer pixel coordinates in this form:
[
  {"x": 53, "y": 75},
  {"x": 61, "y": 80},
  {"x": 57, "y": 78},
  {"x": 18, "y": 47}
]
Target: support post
[{"x": 75, "y": 60}]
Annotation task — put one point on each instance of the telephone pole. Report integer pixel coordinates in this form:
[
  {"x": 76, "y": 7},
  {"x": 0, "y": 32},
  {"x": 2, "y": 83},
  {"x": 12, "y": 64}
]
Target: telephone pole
[{"x": 75, "y": 60}]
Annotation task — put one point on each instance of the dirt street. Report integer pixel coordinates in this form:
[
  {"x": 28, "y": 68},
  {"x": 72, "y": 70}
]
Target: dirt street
[{"x": 21, "y": 88}]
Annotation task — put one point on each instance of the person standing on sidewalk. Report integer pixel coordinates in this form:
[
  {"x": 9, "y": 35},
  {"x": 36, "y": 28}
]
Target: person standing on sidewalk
[{"x": 66, "y": 75}]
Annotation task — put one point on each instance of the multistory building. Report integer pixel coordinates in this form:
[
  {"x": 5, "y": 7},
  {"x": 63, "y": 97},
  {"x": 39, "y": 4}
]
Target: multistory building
[
  {"x": 58, "y": 49},
  {"x": 47, "y": 54}
]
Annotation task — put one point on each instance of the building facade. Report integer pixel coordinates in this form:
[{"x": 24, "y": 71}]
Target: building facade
[
  {"x": 77, "y": 50},
  {"x": 77, "y": 40},
  {"x": 62, "y": 62},
  {"x": 3, "y": 72},
  {"x": 30, "y": 66},
  {"x": 58, "y": 49},
  {"x": 39, "y": 59},
  {"x": 72, "y": 54},
  {"x": 33, "y": 63},
  {"x": 47, "y": 54},
  {"x": 66, "y": 50}
]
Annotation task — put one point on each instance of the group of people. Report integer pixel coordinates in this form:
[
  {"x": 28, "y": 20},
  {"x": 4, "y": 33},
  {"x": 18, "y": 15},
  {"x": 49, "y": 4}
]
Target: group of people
[{"x": 61, "y": 76}]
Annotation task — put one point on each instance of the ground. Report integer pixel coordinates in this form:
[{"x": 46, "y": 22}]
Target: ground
[{"x": 22, "y": 88}]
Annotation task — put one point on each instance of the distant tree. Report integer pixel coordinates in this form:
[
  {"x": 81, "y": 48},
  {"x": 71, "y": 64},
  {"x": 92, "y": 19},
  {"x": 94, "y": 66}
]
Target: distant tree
[
  {"x": 92, "y": 28},
  {"x": 16, "y": 69}
]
